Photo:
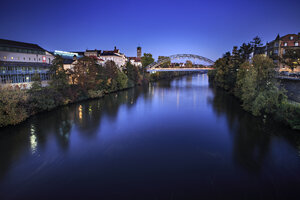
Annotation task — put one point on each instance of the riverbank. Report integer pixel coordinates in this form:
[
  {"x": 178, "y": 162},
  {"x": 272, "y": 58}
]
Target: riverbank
[
  {"x": 258, "y": 91},
  {"x": 17, "y": 105},
  {"x": 178, "y": 133}
]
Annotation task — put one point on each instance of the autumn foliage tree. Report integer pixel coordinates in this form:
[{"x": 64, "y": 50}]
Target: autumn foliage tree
[{"x": 84, "y": 73}]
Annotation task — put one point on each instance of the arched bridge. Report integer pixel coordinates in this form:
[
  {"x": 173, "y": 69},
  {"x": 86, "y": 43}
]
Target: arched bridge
[{"x": 155, "y": 65}]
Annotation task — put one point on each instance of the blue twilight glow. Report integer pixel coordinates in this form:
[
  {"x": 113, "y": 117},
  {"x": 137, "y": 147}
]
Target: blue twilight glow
[{"x": 162, "y": 27}]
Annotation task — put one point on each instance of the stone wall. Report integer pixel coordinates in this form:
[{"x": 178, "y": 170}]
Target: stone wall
[{"x": 292, "y": 87}]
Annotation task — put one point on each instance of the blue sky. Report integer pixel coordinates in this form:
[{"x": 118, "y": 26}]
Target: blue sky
[{"x": 207, "y": 28}]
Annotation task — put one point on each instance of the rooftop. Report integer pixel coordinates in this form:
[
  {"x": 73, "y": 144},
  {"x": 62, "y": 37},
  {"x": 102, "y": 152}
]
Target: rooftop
[{"x": 21, "y": 45}]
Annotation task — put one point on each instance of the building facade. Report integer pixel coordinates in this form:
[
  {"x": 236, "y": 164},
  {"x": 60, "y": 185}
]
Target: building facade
[
  {"x": 115, "y": 55},
  {"x": 277, "y": 48},
  {"x": 19, "y": 62}
]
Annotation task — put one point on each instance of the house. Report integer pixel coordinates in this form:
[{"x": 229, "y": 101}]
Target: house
[
  {"x": 277, "y": 48},
  {"x": 115, "y": 55}
]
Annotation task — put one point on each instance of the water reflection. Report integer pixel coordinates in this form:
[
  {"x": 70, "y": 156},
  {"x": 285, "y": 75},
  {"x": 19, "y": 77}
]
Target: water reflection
[
  {"x": 181, "y": 133},
  {"x": 251, "y": 136},
  {"x": 33, "y": 139},
  {"x": 85, "y": 116}
]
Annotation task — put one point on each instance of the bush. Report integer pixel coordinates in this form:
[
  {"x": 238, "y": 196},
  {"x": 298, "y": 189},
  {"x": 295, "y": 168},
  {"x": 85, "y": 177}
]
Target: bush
[
  {"x": 289, "y": 113},
  {"x": 12, "y": 106}
]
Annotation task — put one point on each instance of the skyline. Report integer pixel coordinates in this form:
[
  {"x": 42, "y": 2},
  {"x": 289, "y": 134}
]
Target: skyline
[{"x": 162, "y": 28}]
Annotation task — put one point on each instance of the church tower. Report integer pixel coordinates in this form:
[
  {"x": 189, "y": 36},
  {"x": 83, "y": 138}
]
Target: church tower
[{"x": 139, "y": 52}]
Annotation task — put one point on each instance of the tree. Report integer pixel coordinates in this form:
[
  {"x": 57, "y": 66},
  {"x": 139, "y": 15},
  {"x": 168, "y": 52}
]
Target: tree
[
  {"x": 245, "y": 51},
  {"x": 147, "y": 59},
  {"x": 166, "y": 61},
  {"x": 122, "y": 80},
  {"x": 108, "y": 75},
  {"x": 188, "y": 64},
  {"x": 259, "y": 92},
  {"x": 133, "y": 74},
  {"x": 291, "y": 58},
  {"x": 256, "y": 42},
  {"x": 59, "y": 78},
  {"x": 12, "y": 106},
  {"x": 40, "y": 98},
  {"x": 85, "y": 73}
]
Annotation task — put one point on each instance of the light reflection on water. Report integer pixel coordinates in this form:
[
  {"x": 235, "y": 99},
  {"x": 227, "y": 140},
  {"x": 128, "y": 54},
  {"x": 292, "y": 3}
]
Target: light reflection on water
[
  {"x": 33, "y": 139},
  {"x": 179, "y": 138}
]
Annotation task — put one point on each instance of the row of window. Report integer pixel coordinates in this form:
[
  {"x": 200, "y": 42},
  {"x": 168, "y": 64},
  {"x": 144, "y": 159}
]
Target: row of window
[
  {"x": 22, "y": 68},
  {"x": 21, "y": 78},
  {"x": 34, "y": 59},
  {"x": 10, "y": 49},
  {"x": 286, "y": 44}
]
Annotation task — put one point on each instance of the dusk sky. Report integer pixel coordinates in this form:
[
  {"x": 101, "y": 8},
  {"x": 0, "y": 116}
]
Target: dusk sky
[{"x": 206, "y": 28}]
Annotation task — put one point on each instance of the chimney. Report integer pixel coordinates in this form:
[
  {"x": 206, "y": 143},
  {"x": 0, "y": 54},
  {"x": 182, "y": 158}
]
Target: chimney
[{"x": 115, "y": 48}]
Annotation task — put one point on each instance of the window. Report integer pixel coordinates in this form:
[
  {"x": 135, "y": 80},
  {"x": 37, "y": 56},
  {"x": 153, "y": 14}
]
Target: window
[
  {"x": 285, "y": 44},
  {"x": 296, "y": 43},
  {"x": 11, "y": 58},
  {"x": 28, "y": 58},
  {"x": 4, "y": 57},
  {"x": 276, "y": 44},
  {"x": 275, "y": 51},
  {"x": 283, "y": 52},
  {"x": 24, "y": 58},
  {"x": 291, "y": 38},
  {"x": 34, "y": 59}
]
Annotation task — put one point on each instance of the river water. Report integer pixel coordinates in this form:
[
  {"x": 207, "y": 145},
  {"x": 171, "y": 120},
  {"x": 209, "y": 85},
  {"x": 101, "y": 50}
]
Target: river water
[{"x": 179, "y": 139}]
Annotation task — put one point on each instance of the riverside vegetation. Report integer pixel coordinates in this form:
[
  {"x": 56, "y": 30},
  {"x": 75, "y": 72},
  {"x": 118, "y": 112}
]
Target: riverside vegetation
[
  {"x": 253, "y": 82},
  {"x": 86, "y": 80}
]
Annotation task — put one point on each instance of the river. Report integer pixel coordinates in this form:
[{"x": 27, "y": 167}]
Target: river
[{"x": 178, "y": 139}]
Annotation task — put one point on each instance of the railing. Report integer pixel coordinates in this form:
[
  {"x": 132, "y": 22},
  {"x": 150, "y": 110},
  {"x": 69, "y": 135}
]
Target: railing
[{"x": 288, "y": 77}]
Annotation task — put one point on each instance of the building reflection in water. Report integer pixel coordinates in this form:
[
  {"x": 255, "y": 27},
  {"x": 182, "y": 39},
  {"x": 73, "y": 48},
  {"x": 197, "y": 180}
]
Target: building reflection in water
[
  {"x": 177, "y": 98},
  {"x": 33, "y": 139},
  {"x": 80, "y": 112},
  {"x": 251, "y": 137}
]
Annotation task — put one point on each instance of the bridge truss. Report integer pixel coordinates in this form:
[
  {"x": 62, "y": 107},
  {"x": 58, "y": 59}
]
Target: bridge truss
[{"x": 179, "y": 56}]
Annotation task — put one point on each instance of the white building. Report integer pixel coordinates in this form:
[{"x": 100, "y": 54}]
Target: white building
[
  {"x": 115, "y": 55},
  {"x": 135, "y": 61},
  {"x": 20, "y": 61}
]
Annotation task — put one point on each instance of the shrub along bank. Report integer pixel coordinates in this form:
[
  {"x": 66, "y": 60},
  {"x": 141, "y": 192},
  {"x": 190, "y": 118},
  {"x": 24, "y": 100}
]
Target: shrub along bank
[
  {"x": 85, "y": 80},
  {"x": 254, "y": 83}
]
